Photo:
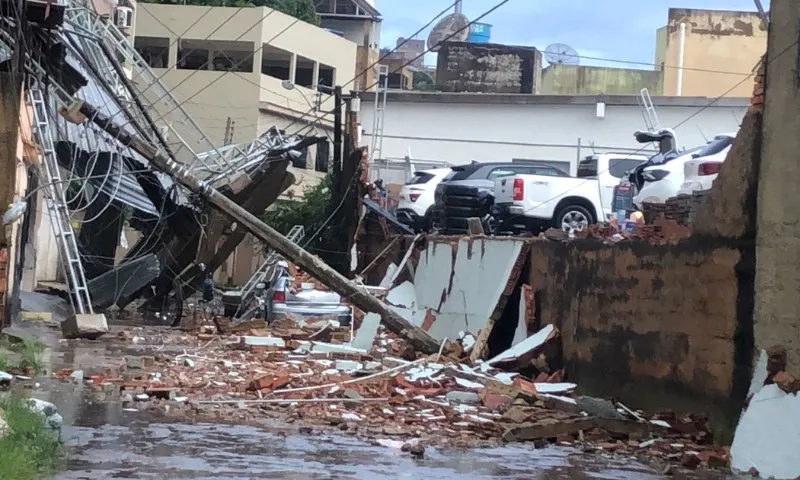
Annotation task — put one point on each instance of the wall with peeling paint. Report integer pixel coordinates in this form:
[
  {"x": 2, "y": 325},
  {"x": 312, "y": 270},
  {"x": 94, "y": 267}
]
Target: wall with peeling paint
[
  {"x": 591, "y": 80},
  {"x": 721, "y": 49},
  {"x": 493, "y": 68}
]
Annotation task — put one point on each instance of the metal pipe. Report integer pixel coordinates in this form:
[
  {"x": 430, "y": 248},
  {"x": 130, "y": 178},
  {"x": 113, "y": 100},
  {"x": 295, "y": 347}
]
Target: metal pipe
[
  {"x": 681, "y": 48},
  {"x": 458, "y": 6}
]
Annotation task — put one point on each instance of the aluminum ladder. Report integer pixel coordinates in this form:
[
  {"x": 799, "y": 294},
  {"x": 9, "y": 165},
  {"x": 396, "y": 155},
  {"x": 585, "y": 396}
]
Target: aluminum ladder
[
  {"x": 57, "y": 203},
  {"x": 648, "y": 111},
  {"x": 295, "y": 235},
  {"x": 376, "y": 147}
]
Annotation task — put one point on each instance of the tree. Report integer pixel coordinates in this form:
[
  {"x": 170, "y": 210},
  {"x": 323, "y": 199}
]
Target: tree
[
  {"x": 302, "y": 9},
  {"x": 423, "y": 82}
]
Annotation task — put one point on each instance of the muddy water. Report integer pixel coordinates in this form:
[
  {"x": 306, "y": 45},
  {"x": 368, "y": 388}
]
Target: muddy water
[{"x": 106, "y": 441}]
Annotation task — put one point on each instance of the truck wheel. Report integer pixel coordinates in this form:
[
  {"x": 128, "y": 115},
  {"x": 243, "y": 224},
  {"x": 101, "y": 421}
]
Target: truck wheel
[{"x": 573, "y": 218}]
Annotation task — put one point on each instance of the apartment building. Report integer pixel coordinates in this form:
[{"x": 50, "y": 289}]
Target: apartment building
[
  {"x": 239, "y": 71},
  {"x": 360, "y": 22}
]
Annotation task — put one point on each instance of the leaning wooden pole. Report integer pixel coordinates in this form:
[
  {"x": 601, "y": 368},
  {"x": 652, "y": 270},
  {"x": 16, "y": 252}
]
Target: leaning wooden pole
[{"x": 79, "y": 111}]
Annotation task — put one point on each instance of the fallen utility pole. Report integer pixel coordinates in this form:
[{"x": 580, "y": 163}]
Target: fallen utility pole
[{"x": 79, "y": 111}]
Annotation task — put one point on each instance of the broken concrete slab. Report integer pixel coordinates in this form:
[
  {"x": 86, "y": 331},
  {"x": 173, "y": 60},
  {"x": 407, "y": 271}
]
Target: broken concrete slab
[
  {"x": 760, "y": 374},
  {"x": 365, "y": 335},
  {"x": 599, "y": 407},
  {"x": 768, "y": 435},
  {"x": 87, "y": 326},
  {"x": 470, "y": 398},
  {"x": 526, "y": 348}
]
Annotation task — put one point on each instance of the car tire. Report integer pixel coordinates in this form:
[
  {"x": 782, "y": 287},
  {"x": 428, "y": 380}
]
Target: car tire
[{"x": 575, "y": 215}]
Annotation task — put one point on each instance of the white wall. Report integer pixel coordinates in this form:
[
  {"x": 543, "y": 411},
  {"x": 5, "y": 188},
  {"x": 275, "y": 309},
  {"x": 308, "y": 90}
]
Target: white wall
[{"x": 461, "y": 132}]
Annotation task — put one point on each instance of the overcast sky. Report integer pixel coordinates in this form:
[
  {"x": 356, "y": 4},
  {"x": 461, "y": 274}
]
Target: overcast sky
[{"x": 614, "y": 29}]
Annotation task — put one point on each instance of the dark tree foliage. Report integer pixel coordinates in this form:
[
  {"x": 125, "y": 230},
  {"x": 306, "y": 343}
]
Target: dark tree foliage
[{"x": 302, "y": 9}]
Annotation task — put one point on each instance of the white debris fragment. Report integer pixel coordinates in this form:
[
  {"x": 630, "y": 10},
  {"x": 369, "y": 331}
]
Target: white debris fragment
[
  {"x": 768, "y": 435},
  {"x": 468, "y": 384},
  {"x": 142, "y": 397},
  {"x": 528, "y": 345},
  {"x": 40, "y": 406},
  {"x": 661, "y": 423},
  {"x": 559, "y": 398},
  {"x": 351, "y": 416},
  {"x": 555, "y": 387},
  {"x": 264, "y": 341}
]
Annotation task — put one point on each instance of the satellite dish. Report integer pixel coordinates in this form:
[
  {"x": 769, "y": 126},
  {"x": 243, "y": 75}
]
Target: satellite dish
[
  {"x": 559, "y": 53},
  {"x": 454, "y": 27}
]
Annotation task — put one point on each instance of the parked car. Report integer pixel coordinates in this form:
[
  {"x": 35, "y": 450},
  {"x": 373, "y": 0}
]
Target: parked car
[
  {"x": 417, "y": 198},
  {"x": 274, "y": 298},
  {"x": 627, "y": 189},
  {"x": 526, "y": 202},
  {"x": 468, "y": 192},
  {"x": 664, "y": 180},
  {"x": 699, "y": 172}
]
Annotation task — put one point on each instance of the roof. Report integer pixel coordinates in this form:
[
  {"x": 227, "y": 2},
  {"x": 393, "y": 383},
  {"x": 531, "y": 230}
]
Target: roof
[{"x": 528, "y": 99}]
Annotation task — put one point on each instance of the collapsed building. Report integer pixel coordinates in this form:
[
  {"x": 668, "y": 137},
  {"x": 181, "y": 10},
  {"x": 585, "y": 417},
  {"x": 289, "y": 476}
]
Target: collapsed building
[{"x": 95, "y": 186}]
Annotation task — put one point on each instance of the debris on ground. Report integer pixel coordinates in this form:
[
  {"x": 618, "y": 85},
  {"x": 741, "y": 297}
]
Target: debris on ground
[
  {"x": 387, "y": 393},
  {"x": 767, "y": 437}
]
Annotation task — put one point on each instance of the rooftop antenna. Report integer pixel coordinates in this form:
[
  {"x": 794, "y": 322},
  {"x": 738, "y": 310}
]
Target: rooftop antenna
[{"x": 561, "y": 54}]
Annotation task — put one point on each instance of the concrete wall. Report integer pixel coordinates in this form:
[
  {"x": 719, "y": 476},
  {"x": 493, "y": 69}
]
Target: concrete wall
[
  {"x": 727, "y": 42},
  {"x": 491, "y": 68},
  {"x": 588, "y": 80},
  {"x": 778, "y": 250},
  {"x": 459, "y": 128}
]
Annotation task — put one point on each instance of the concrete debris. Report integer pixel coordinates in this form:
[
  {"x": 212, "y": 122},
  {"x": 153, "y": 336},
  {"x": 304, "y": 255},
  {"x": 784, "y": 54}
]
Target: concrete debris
[
  {"x": 40, "y": 406},
  {"x": 527, "y": 349},
  {"x": 5, "y": 378},
  {"x": 387, "y": 393},
  {"x": 88, "y": 326},
  {"x": 767, "y": 438}
]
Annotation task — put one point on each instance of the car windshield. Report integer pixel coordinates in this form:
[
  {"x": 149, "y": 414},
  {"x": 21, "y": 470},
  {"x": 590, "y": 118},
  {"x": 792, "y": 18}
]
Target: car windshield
[
  {"x": 420, "y": 178},
  {"x": 714, "y": 146}
]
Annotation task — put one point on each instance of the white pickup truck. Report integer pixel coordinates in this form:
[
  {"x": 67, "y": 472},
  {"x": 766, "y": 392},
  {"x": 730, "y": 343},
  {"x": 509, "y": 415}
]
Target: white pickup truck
[{"x": 535, "y": 202}]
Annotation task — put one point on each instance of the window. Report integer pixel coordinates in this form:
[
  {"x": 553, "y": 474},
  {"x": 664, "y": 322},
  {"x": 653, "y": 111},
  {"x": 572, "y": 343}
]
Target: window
[
  {"x": 420, "y": 178},
  {"x": 618, "y": 167},
  {"x": 304, "y": 72},
  {"x": 276, "y": 63},
  {"x": 193, "y": 55},
  {"x": 326, "y": 6},
  {"x": 233, "y": 56},
  {"x": 714, "y": 146},
  {"x": 327, "y": 76},
  {"x": 504, "y": 172},
  {"x": 323, "y": 156},
  {"x": 587, "y": 168},
  {"x": 154, "y": 50},
  {"x": 346, "y": 7}
]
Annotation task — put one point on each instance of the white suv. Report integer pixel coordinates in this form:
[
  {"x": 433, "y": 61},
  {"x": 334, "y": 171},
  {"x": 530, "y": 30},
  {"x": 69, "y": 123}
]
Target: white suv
[{"x": 417, "y": 198}]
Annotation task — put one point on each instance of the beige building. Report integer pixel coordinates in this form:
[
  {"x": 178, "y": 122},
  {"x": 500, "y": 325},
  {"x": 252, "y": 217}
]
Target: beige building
[
  {"x": 360, "y": 22},
  {"x": 728, "y": 42},
  {"x": 230, "y": 69}
]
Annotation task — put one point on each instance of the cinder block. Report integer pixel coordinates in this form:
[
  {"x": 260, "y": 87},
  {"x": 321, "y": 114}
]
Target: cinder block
[{"x": 88, "y": 326}]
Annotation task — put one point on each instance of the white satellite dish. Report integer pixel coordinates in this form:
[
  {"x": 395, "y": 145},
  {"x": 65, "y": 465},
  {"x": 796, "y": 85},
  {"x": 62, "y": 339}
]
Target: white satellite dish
[
  {"x": 454, "y": 28},
  {"x": 561, "y": 54}
]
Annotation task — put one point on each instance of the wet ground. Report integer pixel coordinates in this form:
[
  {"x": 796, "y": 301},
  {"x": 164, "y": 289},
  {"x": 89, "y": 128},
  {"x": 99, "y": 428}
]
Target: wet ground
[{"x": 106, "y": 441}]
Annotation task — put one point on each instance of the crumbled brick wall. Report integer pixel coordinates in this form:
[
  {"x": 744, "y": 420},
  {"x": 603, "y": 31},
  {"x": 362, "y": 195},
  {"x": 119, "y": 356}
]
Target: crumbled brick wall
[
  {"x": 490, "y": 68},
  {"x": 682, "y": 208},
  {"x": 654, "y": 325}
]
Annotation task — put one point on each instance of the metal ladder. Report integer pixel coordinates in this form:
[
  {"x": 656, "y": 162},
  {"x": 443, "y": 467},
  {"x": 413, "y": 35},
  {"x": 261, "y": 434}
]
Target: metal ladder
[
  {"x": 648, "y": 111},
  {"x": 376, "y": 147},
  {"x": 57, "y": 203},
  {"x": 295, "y": 235}
]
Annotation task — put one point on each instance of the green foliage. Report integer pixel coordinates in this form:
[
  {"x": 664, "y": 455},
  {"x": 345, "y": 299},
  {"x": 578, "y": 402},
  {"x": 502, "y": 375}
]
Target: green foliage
[
  {"x": 31, "y": 450},
  {"x": 319, "y": 202},
  {"x": 29, "y": 352},
  {"x": 302, "y": 9},
  {"x": 423, "y": 82}
]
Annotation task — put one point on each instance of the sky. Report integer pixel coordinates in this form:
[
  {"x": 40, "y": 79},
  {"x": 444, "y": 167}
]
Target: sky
[{"x": 612, "y": 29}]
